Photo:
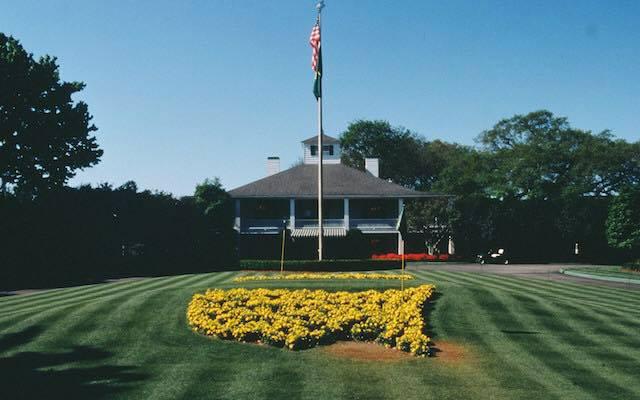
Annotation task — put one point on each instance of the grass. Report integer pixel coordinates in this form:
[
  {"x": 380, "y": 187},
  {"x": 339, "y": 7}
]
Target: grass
[
  {"x": 609, "y": 271},
  {"x": 130, "y": 340}
]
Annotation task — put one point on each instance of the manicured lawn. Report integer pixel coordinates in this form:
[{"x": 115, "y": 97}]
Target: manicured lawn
[{"x": 519, "y": 339}]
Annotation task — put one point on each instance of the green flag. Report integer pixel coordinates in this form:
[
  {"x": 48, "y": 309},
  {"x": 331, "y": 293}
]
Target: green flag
[{"x": 317, "y": 82}]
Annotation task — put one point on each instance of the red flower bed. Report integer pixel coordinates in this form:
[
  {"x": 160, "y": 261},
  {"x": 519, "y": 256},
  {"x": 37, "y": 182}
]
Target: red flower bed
[{"x": 411, "y": 257}]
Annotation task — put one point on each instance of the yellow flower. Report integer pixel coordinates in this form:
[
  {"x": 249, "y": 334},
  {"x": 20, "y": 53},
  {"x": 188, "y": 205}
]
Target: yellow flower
[
  {"x": 323, "y": 276},
  {"x": 303, "y": 318}
]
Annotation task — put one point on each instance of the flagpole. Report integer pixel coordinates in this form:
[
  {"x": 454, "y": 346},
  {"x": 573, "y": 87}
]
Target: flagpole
[{"x": 319, "y": 7}]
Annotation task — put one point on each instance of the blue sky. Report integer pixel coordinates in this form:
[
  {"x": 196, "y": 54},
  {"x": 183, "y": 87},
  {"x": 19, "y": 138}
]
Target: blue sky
[{"x": 185, "y": 90}]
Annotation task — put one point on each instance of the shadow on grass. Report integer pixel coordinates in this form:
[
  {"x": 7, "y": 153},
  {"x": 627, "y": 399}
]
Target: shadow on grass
[
  {"x": 517, "y": 332},
  {"x": 427, "y": 312},
  {"x": 78, "y": 373}
]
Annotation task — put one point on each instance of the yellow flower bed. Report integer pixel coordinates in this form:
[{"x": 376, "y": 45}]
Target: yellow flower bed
[
  {"x": 303, "y": 318},
  {"x": 321, "y": 275}
]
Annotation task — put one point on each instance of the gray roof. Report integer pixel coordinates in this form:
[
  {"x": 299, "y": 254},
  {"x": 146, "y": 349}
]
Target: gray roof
[
  {"x": 339, "y": 181},
  {"x": 325, "y": 140}
]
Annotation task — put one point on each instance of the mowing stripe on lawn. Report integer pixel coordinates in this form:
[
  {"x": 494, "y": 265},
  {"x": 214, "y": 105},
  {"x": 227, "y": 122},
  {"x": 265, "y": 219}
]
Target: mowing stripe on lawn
[
  {"x": 220, "y": 370},
  {"x": 624, "y": 331},
  {"x": 146, "y": 327},
  {"x": 83, "y": 320},
  {"x": 46, "y": 318},
  {"x": 571, "y": 319},
  {"x": 73, "y": 291},
  {"x": 212, "y": 278},
  {"x": 152, "y": 326},
  {"x": 500, "y": 282},
  {"x": 496, "y": 282},
  {"x": 604, "y": 313},
  {"x": 55, "y": 293},
  {"x": 119, "y": 290},
  {"x": 557, "y": 290},
  {"x": 604, "y": 307},
  {"x": 46, "y": 293},
  {"x": 569, "y": 325},
  {"x": 617, "y": 318},
  {"x": 107, "y": 307},
  {"x": 98, "y": 289},
  {"x": 431, "y": 276},
  {"x": 178, "y": 382},
  {"x": 38, "y": 298},
  {"x": 64, "y": 313},
  {"x": 269, "y": 379},
  {"x": 188, "y": 280},
  {"x": 512, "y": 365},
  {"x": 71, "y": 300},
  {"x": 615, "y": 294},
  {"x": 497, "y": 317},
  {"x": 603, "y": 293},
  {"x": 546, "y": 351},
  {"x": 156, "y": 327}
]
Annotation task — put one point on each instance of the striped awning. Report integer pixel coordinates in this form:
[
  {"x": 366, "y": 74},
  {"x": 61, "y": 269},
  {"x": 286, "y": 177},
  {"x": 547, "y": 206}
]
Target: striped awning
[{"x": 313, "y": 232}]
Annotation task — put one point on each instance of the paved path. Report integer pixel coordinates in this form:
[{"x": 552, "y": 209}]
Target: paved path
[{"x": 534, "y": 271}]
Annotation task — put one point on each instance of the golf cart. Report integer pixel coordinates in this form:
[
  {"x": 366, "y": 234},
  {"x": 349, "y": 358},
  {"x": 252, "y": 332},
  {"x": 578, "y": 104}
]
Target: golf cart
[{"x": 493, "y": 258}]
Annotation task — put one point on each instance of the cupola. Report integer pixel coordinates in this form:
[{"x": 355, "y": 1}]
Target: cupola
[{"x": 331, "y": 151}]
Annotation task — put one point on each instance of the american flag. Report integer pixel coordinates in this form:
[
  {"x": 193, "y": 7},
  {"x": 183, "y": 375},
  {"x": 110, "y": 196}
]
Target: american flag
[{"x": 314, "y": 41}]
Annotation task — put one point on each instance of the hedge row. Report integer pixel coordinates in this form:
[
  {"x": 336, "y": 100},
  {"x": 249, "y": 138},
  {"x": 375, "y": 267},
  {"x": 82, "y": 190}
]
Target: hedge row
[{"x": 315, "y": 265}]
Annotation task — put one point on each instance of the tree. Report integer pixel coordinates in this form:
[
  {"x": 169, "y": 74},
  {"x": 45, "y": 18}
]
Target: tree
[
  {"x": 215, "y": 203},
  {"x": 459, "y": 170},
  {"x": 540, "y": 156},
  {"x": 623, "y": 221},
  {"x": 400, "y": 151},
  {"x": 44, "y": 135}
]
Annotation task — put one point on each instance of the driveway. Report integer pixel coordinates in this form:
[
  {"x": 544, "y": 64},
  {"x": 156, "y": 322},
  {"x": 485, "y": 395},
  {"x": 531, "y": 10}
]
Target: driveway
[{"x": 547, "y": 272}]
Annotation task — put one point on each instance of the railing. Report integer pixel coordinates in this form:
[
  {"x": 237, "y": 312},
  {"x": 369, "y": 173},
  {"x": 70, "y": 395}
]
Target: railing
[
  {"x": 263, "y": 225},
  {"x": 368, "y": 225},
  {"x": 313, "y": 223},
  {"x": 255, "y": 225}
]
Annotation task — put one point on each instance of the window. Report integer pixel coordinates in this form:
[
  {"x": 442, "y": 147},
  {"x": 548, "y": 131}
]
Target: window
[{"x": 326, "y": 149}]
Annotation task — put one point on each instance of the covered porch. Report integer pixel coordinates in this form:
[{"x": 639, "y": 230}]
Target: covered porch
[{"x": 271, "y": 216}]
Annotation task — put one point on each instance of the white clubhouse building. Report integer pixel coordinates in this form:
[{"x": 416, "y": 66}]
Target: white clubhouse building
[{"x": 353, "y": 200}]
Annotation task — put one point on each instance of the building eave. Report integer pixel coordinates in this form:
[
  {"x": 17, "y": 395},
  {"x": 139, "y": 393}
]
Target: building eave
[
  {"x": 342, "y": 196},
  {"x": 340, "y": 181}
]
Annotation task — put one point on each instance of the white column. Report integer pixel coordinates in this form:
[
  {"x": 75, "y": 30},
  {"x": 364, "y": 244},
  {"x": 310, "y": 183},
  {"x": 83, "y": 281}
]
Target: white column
[
  {"x": 292, "y": 213},
  {"x": 451, "y": 248},
  {"x": 346, "y": 214},
  {"x": 400, "y": 244},
  {"x": 236, "y": 223}
]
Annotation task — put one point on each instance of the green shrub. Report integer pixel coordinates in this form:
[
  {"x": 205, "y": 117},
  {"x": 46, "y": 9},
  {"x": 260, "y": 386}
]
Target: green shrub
[{"x": 315, "y": 265}]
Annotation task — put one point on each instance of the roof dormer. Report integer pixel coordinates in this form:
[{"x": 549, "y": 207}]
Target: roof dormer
[{"x": 331, "y": 151}]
